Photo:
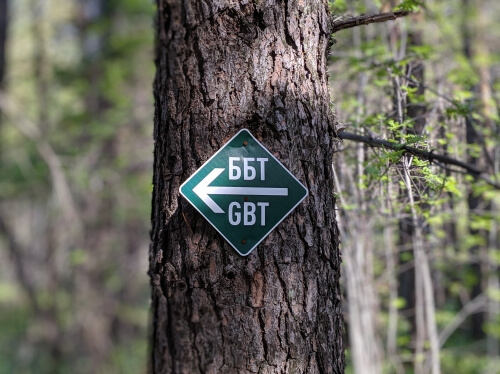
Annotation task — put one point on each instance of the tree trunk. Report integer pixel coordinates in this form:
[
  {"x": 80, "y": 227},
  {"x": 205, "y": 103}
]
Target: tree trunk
[
  {"x": 223, "y": 66},
  {"x": 475, "y": 202}
]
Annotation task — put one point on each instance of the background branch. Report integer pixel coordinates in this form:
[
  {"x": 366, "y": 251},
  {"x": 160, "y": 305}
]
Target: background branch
[
  {"x": 426, "y": 155},
  {"x": 367, "y": 19}
]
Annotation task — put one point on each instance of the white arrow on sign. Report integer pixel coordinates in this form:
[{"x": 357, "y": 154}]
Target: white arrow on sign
[{"x": 203, "y": 189}]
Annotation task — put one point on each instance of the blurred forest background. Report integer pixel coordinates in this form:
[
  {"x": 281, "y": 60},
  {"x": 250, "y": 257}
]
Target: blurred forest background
[
  {"x": 420, "y": 240},
  {"x": 75, "y": 186}
]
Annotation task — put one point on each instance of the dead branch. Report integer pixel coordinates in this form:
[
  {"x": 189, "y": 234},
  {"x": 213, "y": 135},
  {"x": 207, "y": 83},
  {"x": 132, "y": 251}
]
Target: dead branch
[
  {"x": 474, "y": 306},
  {"x": 367, "y": 19},
  {"x": 421, "y": 154}
]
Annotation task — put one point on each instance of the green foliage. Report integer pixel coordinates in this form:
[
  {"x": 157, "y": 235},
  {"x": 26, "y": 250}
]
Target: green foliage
[
  {"x": 462, "y": 361},
  {"x": 337, "y": 6},
  {"x": 409, "y": 5}
]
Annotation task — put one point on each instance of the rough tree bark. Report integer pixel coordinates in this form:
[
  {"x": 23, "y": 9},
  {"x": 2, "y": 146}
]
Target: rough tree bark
[{"x": 223, "y": 65}]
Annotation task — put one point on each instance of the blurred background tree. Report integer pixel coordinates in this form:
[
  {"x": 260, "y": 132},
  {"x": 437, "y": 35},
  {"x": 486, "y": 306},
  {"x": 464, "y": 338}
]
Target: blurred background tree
[
  {"x": 420, "y": 241},
  {"x": 75, "y": 185}
]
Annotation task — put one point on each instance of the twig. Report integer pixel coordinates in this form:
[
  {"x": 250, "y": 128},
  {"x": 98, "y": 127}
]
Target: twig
[
  {"x": 425, "y": 155},
  {"x": 367, "y": 19}
]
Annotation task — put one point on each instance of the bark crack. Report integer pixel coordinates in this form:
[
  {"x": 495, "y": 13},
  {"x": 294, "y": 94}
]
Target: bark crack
[
  {"x": 201, "y": 70},
  {"x": 288, "y": 36},
  {"x": 283, "y": 286},
  {"x": 263, "y": 332}
]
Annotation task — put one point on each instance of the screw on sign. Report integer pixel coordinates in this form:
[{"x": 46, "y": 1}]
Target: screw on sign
[{"x": 243, "y": 191}]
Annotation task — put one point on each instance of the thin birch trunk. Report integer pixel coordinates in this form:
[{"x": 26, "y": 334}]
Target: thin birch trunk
[{"x": 425, "y": 308}]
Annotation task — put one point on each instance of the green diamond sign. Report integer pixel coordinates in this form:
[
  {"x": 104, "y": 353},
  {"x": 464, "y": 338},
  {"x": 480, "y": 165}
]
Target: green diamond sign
[{"x": 244, "y": 192}]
